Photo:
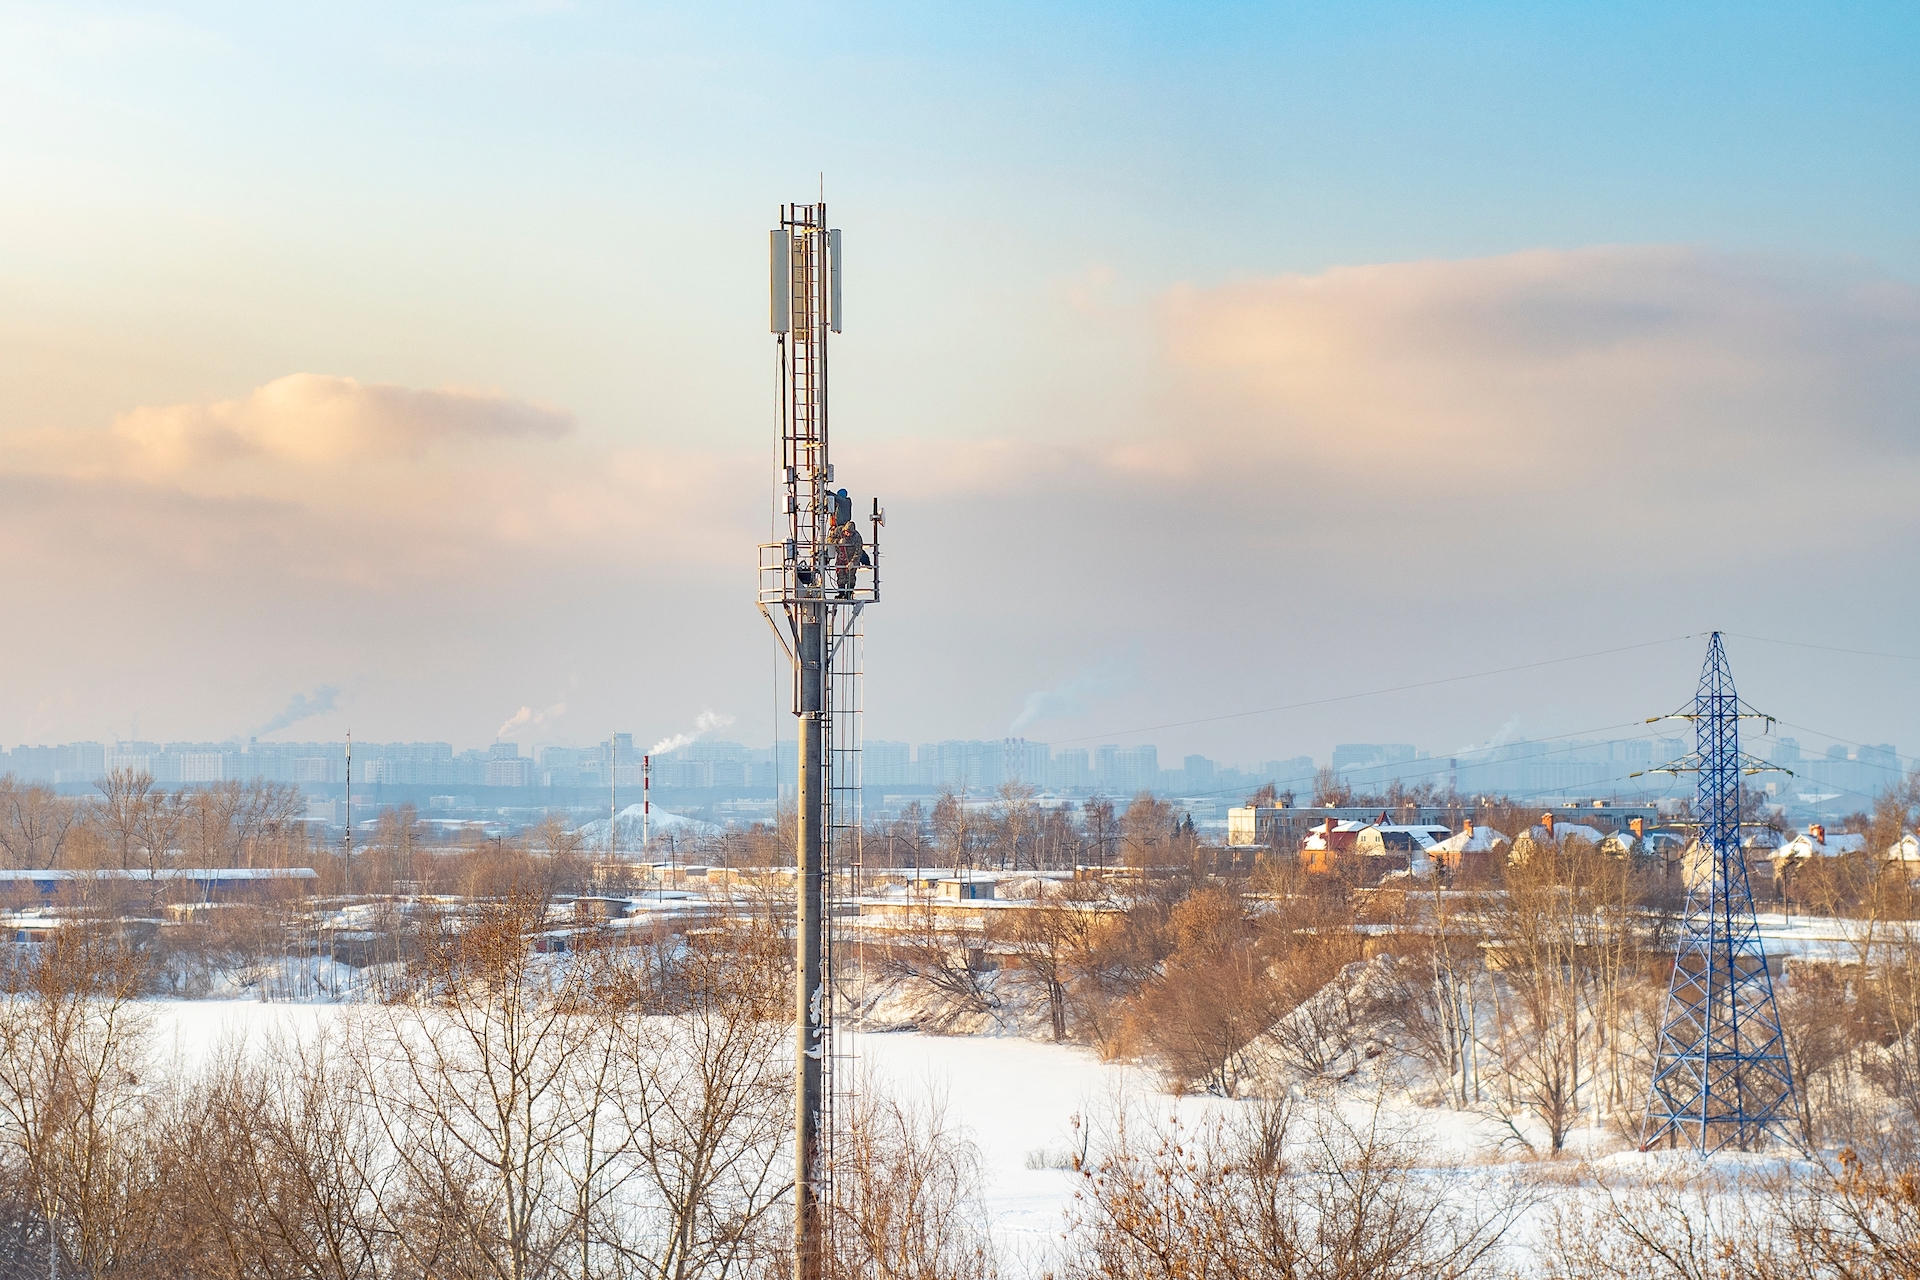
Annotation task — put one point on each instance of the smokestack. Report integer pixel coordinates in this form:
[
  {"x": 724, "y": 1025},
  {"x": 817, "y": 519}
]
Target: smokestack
[
  {"x": 1469, "y": 828},
  {"x": 1819, "y": 832},
  {"x": 1638, "y": 826},
  {"x": 1546, "y": 820}
]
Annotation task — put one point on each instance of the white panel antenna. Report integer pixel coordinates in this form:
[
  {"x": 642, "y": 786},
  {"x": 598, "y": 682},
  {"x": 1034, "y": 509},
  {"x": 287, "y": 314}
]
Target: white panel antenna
[
  {"x": 780, "y": 265},
  {"x": 833, "y": 278}
]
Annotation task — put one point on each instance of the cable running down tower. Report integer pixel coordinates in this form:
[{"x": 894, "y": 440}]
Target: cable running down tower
[
  {"x": 817, "y": 574},
  {"x": 1721, "y": 1076}
]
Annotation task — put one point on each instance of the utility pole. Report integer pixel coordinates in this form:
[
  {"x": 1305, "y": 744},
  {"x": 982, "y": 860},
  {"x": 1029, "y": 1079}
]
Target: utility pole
[
  {"x": 816, "y": 576},
  {"x": 349, "y": 793},
  {"x": 613, "y": 798}
]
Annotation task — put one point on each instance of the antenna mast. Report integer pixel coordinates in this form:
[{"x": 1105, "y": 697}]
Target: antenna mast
[{"x": 816, "y": 576}]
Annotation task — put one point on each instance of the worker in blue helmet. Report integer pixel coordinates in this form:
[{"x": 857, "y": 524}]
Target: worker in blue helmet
[{"x": 841, "y": 510}]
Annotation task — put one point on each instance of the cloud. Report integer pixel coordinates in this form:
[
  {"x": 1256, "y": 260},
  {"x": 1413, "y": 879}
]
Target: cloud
[
  {"x": 300, "y": 707},
  {"x": 1507, "y": 366},
  {"x": 377, "y": 483},
  {"x": 321, "y": 420}
]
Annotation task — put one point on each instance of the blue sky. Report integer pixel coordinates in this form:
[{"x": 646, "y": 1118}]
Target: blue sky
[{"x": 565, "y": 205}]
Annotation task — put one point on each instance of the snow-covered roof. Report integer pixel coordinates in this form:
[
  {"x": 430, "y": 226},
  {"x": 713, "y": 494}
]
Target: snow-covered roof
[
  {"x": 1421, "y": 836},
  {"x": 1476, "y": 839},
  {"x": 193, "y": 874},
  {"x": 1565, "y": 831},
  {"x": 1835, "y": 844},
  {"x": 1317, "y": 838}
]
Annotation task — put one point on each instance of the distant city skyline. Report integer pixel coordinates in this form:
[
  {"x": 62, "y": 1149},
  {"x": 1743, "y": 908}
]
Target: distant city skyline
[{"x": 1628, "y": 767}]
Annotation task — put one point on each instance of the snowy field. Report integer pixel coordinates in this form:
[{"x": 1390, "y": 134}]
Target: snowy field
[
  {"x": 1017, "y": 1100},
  {"x": 1014, "y": 1098}
]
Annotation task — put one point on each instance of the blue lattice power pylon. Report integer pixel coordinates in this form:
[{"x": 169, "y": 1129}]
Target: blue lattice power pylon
[{"x": 1721, "y": 1077}]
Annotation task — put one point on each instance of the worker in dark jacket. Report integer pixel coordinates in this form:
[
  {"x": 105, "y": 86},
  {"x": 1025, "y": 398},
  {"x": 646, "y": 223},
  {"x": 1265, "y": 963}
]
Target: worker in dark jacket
[
  {"x": 851, "y": 553},
  {"x": 840, "y": 512}
]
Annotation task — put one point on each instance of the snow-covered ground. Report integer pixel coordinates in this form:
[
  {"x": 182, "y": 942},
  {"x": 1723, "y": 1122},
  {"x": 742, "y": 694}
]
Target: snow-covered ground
[
  {"x": 188, "y": 1032},
  {"x": 1823, "y": 938},
  {"x": 1017, "y": 1099}
]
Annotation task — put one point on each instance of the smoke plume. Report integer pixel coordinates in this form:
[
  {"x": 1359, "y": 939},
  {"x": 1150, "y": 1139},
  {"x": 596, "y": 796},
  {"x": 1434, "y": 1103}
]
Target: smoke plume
[
  {"x": 300, "y": 707},
  {"x": 706, "y": 722},
  {"x": 1071, "y": 697},
  {"x": 528, "y": 716}
]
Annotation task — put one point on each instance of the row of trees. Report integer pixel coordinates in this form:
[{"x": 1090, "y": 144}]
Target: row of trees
[{"x": 131, "y": 824}]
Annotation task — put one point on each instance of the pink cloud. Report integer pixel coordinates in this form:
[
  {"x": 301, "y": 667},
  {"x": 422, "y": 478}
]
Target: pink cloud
[{"x": 322, "y": 420}]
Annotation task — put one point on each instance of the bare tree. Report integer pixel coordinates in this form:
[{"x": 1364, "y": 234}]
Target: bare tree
[
  {"x": 941, "y": 949},
  {"x": 1444, "y": 1017},
  {"x": 907, "y": 1197},
  {"x": 468, "y": 1076},
  {"x": 125, "y": 795},
  {"x": 73, "y": 1112},
  {"x": 1053, "y": 941},
  {"x": 34, "y": 824},
  {"x": 1100, "y": 832},
  {"x": 286, "y": 1170},
  {"x": 705, "y": 1097},
  {"x": 1013, "y": 824},
  {"x": 1330, "y": 791},
  {"x": 208, "y": 824},
  {"x": 960, "y": 837},
  {"x": 1214, "y": 997},
  {"x": 1242, "y": 1197}
]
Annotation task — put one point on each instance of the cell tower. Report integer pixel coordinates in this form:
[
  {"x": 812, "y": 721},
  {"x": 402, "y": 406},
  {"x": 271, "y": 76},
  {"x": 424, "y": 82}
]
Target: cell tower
[
  {"x": 816, "y": 576},
  {"x": 1721, "y": 1076}
]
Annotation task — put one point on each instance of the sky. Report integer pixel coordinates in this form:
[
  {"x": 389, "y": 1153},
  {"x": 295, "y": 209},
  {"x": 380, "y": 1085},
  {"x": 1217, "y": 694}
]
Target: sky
[{"x": 404, "y": 368}]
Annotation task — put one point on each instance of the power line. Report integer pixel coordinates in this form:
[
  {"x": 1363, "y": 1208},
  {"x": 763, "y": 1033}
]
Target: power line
[
  {"x": 1834, "y": 737},
  {"x": 1372, "y": 693},
  {"x": 1826, "y": 648},
  {"x": 1451, "y": 763}
]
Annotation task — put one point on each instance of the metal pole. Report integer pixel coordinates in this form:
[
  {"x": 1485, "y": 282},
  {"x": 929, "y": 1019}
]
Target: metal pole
[
  {"x": 810, "y": 996},
  {"x": 349, "y": 794},
  {"x": 613, "y": 798}
]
